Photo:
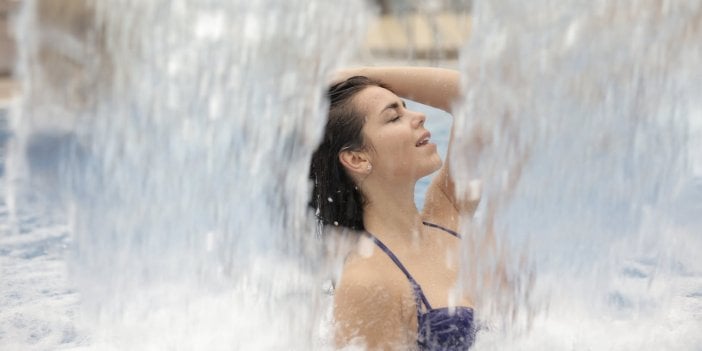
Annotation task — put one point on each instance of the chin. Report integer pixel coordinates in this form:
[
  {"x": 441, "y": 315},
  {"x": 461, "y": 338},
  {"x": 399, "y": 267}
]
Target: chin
[
  {"x": 431, "y": 167},
  {"x": 437, "y": 163}
]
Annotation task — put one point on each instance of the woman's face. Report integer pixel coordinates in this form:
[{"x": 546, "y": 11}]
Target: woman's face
[{"x": 399, "y": 144}]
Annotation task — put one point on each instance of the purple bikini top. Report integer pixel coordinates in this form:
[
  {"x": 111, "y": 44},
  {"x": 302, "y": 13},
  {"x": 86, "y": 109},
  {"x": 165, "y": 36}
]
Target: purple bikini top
[{"x": 438, "y": 328}]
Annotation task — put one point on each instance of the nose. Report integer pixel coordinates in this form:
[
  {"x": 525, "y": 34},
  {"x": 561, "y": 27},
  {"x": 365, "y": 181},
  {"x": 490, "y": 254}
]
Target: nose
[{"x": 419, "y": 119}]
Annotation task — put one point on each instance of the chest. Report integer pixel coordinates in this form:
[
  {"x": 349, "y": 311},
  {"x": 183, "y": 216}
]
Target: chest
[{"x": 436, "y": 269}]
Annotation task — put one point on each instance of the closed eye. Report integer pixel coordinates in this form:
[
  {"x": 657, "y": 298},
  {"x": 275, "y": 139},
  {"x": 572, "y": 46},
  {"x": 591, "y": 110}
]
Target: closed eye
[{"x": 397, "y": 106}]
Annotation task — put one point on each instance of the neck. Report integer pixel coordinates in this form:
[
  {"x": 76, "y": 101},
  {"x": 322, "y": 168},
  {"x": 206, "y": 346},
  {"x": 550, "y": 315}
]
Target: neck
[{"x": 390, "y": 213}]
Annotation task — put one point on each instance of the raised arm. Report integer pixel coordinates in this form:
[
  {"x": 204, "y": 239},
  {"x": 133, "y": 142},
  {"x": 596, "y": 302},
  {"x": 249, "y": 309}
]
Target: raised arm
[{"x": 437, "y": 87}]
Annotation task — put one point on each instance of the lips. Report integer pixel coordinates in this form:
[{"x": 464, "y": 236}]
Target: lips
[{"x": 424, "y": 139}]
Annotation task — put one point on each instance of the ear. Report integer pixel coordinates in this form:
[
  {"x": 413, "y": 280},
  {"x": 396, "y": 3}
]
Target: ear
[{"x": 357, "y": 162}]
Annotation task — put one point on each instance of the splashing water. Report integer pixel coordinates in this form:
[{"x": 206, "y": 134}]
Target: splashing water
[
  {"x": 183, "y": 131},
  {"x": 175, "y": 137},
  {"x": 577, "y": 120}
]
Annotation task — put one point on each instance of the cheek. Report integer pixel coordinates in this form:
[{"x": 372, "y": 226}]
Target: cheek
[
  {"x": 391, "y": 146},
  {"x": 396, "y": 159}
]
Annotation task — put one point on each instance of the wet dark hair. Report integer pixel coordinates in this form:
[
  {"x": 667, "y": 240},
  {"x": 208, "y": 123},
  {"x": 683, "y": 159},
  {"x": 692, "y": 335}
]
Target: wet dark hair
[{"x": 336, "y": 199}]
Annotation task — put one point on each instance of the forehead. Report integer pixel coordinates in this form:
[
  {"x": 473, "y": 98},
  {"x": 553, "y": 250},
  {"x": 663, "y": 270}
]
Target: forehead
[{"x": 374, "y": 99}]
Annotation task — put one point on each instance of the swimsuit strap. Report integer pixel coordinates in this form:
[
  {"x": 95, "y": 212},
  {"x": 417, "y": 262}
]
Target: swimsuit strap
[
  {"x": 442, "y": 228},
  {"x": 419, "y": 294}
]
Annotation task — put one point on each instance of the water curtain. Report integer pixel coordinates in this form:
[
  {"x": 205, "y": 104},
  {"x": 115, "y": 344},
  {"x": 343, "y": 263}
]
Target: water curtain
[{"x": 183, "y": 132}]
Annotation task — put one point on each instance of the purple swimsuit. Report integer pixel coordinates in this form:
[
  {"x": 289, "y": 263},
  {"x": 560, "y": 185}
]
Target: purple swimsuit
[{"x": 437, "y": 328}]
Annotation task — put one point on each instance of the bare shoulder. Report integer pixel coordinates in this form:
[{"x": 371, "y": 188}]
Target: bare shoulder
[
  {"x": 368, "y": 303},
  {"x": 366, "y": 275}
]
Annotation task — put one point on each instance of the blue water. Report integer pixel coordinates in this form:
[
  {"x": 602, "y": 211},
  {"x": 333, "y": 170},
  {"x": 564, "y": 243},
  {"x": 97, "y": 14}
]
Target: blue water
[{"x": 39, "y": 304}]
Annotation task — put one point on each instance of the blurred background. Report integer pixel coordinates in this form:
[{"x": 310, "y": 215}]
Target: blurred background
[
  {"x": 7, "y": 47},
  {"x": 428, "y": 32}
]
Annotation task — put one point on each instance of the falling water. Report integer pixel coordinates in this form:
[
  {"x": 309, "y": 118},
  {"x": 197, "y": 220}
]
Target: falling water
[
  {"x": 161, "y": 148},
  {"x": 577, "y": 118},
  {"x": 181, "y": 133}
]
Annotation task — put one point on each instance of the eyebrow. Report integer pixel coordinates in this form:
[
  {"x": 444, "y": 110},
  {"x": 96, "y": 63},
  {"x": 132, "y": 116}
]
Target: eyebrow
[{"x": 394, "y": 105}]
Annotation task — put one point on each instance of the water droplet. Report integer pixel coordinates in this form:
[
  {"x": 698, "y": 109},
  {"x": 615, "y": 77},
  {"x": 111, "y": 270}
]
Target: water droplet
[
  {"x": 209, "y": 241},
  {"x": 365, "y": 248}
]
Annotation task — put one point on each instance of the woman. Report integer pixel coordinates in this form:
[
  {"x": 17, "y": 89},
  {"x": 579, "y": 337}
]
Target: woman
[{"x": 396, "y": 286}]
